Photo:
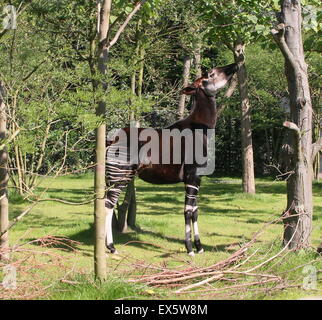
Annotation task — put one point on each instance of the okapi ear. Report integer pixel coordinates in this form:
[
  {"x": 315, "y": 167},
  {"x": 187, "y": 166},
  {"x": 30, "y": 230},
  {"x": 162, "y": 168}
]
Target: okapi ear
[{"x": 189, "y": 90}]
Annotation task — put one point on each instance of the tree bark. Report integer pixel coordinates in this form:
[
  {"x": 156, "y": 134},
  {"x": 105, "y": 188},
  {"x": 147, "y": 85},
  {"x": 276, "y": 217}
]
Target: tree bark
[
  {"x": 299, "y": 211},
  {"x": 185, "y": 81},
  {"x": 4, "y": 177},
  {"x": 246, "y": 131}
]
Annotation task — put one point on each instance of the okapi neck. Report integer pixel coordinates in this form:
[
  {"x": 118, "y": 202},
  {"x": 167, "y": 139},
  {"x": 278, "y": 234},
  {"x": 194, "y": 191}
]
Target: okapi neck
[{"x": 204, "y": 110}]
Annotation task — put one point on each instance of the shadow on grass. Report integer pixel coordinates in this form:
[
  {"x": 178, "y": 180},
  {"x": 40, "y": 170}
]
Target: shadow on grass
[
  {"x": 131, "y": 238},
  {"x": 215, "y": 188}
]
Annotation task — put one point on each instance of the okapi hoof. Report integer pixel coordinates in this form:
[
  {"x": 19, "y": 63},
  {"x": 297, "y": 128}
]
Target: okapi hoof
[
  {"x": 191, "y": 254},
  {"x": 111, "y": 248},
  {"x": 201, "y": 250}
]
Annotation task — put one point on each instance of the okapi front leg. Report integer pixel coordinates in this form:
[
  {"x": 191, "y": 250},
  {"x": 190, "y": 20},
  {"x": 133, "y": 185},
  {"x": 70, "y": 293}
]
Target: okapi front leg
[
  {"x": 191, "y": 217},
  {"x": 188, "y": 242},
  {"x": 196, "y": 231},
  {"x": 108, "y": 231},
  {"x": 110, "y": 202}
]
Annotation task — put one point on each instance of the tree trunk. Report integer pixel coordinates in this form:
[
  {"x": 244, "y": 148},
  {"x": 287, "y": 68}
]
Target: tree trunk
[
  {"x": 4, "y": 177},
  {"x": 299, "y": 211},
  {"x": 104, "y": 10},
  {"x": 316, "y": 168},
  {"x": 185, "y": 81},
  {"x": 141, "y": 69},
  {"x": 316, "y": 135},
  {"x": 197, "y": 54},
  {"x": 131, "y": 216},
  {"x": 246, "y": 131}
]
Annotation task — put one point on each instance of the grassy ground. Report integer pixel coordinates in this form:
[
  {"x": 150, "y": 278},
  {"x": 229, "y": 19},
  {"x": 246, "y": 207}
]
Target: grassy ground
[{"x": 227, "y": 218}]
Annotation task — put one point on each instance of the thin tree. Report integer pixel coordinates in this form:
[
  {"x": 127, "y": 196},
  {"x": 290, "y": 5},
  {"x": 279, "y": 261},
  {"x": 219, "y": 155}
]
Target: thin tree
[
  {"x": 104, "y": 46},
  {"x": 104, "y": 11},
  {"x": 299, "y": 210},
  {"x": 197, "y": 60},
  {"x": 185, "y": 80},
  {"x": 4, "y": 177},
  {"x": 236, "y": 36},
  {"x": 248, "y": 178}
]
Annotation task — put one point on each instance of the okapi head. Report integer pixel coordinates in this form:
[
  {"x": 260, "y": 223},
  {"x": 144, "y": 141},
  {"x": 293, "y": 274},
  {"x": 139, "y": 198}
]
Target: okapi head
[{"x": 215, "y": 79}]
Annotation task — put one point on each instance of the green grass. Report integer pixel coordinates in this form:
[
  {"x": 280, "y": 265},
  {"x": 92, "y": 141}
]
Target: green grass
[
  {"x": 227, "y": 217},
  {"x": 84, "y": 288}
]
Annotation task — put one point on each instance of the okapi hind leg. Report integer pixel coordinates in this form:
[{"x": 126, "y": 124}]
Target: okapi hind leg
[
  {"x": 108, "y": 230},
  {"x": 112, "y": 197}
]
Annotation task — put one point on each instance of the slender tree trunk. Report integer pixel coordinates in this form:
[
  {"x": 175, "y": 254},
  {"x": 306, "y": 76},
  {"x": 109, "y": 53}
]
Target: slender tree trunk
[
  {"x": 104, "y": 9},
  {"x": 316, "y": 168},
  {"x": 197, "y": 57},
  {"x": 131, "y": 210},
  {"x": 126, "y": 212},
  {"x": 4, "y": 177},
  {"x": 299, "y": 211},
  {"x": 185, "y": 80},
  {"x": 131, "y": 216},
  {"x": 136, "y": 58},
  {"x": 316, "y": 135},
  {"x": 141, "y": 69},
  {"x": 246, "y": 130}
]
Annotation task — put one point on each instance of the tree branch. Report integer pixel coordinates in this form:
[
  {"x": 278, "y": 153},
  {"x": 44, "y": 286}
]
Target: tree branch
[
  {"x": 278, "y": 36},
  {"x": 228, "y": 94},
  {"x": 316, "y": 147},
  {"x": 8, "y": 140},
  {"x": 125, "y": 23},
  {"x": 292, "y": 126}
]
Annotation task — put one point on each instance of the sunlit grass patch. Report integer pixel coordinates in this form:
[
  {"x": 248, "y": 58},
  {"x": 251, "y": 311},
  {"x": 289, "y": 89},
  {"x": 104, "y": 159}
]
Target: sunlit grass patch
[{"x": 85, "y": 288}]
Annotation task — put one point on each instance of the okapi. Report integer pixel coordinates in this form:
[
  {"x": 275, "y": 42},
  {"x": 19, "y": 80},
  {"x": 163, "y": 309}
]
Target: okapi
[{"x": 203, "y": 116}]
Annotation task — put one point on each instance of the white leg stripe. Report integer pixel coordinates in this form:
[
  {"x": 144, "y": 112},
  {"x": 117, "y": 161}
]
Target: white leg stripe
[
  {"x": 195, "y": 229},
  {"x": 108, "y": 225},
  {"x": 191, "y": 208},
  {"x": 191, "y": 186}
]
